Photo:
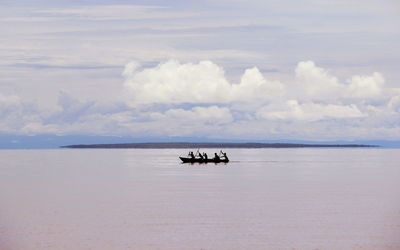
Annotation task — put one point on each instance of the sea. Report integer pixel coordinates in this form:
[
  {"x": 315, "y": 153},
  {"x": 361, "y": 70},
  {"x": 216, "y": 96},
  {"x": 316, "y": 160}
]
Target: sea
[{"x": 298, "y": 198}]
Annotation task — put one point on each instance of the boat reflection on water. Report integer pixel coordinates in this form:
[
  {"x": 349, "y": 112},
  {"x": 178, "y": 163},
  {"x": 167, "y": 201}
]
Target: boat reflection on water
[{"x": 203, "y": 158}]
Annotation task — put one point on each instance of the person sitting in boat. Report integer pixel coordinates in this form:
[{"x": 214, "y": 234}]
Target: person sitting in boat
[
  {"x": 191, "y": 154},
  {"x": 225, "y": 156},
  {"x": 216, "y": 157},
  {"x": 205, "y": 156},
  {"x": 201, "y": 156}
]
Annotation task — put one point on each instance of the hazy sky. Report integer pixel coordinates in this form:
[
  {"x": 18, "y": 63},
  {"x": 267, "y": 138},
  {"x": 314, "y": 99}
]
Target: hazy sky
[{"x": 304, "y": 69}]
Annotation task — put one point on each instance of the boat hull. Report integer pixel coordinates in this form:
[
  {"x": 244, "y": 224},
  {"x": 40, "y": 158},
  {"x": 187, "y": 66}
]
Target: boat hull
[{"x": 198, "y": 160}]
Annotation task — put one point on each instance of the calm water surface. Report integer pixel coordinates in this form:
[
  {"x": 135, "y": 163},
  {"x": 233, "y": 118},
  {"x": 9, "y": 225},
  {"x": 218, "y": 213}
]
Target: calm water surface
[{"x": 147, "y": 199}]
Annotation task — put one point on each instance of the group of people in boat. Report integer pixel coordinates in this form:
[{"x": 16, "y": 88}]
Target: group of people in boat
[{"x": 203, "y": 157}]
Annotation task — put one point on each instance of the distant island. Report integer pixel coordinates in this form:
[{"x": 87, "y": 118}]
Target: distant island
[{"x": 160, "y": 145}]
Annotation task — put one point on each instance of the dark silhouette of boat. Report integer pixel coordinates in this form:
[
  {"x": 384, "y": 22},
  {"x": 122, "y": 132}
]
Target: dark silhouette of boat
[
  {"x": 198, "y": 160},
  {"x": 202, "y": 158}
]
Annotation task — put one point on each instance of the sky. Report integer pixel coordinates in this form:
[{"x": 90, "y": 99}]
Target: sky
[{"x": 243, "y": 70}]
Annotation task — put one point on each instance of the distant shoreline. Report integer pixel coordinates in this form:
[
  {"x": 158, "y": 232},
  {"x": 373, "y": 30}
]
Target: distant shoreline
[{"x": 161, "y": 145}]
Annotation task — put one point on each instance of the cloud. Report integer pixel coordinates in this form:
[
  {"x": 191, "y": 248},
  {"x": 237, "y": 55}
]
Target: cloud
[
  {"x": 8, "y": 102},
  {"x": 71, "y": 109},
  {"x": 15, "y": 114},
  {"x": 204, "y": 82},
  {"x": 196, "y": 99},
  {"x": 54, "y": 66},
  {"x": 394, "y": 103},
  {"x": 253, "y": 87},
  {"x": 309, "y": 112},
  {"x": 314, "y": 96},
  {"x": 203, "y": 115},
  {"x": 115, "y": 12},
  {"x": 366, "y": 87},
  {"x": 172, "y": 82},
  {"x": 315, "y": 83},
  {"x": 197, "y": 121}
]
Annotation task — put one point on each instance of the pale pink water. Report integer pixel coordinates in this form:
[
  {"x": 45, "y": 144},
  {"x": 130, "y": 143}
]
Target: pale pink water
[{"x": 146, "y": 199}]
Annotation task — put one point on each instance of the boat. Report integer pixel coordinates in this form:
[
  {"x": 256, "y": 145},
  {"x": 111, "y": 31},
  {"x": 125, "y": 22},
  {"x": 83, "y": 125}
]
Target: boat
[{"x": 199, "y": 158}]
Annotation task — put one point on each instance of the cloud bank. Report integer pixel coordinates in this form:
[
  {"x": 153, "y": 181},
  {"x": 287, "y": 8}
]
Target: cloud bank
[
  {"x": 196, "y": 99},
  {"x": 205, "y": 82}
]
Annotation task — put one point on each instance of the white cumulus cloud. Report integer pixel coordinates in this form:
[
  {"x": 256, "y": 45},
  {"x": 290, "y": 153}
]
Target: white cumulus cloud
[
  {"x": 253, "y": 87},
  {"x": 366, "y": 87},
  {"x": 315, "y": 83},
  {"x": 205, "y": 82},
  {"x": 173, "y": 82},
  {"x": 196, "y": 99}
]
